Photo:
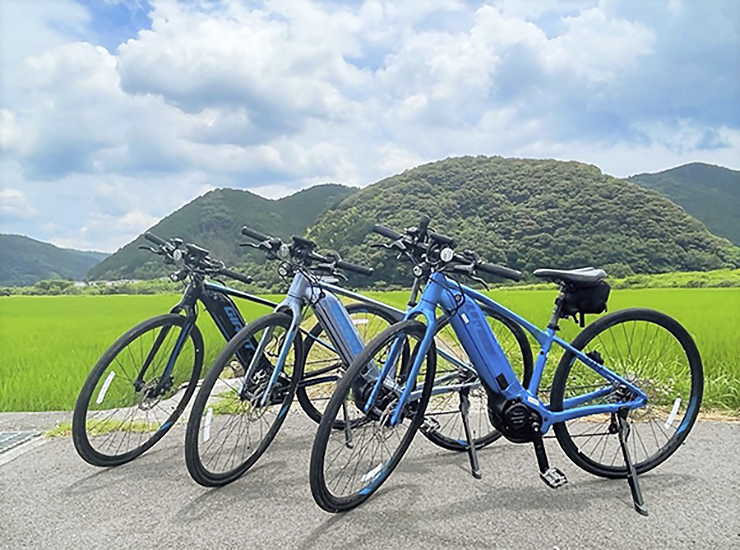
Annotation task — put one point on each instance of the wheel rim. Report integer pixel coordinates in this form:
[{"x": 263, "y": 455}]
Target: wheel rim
[
  {"x": 323, "y": 367},
  {"x": 236, "y": 426},
  {"x": 357, "y": 460},
  {"x": 650, "y": 356},
  {"x": 442, "y": 418},
  {"x": 126, "y": 411}
]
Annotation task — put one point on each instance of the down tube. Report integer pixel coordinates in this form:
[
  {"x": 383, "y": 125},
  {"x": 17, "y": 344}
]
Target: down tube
[{"x": 475, "y": 334}]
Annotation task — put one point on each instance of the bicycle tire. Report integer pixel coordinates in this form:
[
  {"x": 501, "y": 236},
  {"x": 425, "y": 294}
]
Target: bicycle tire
[
  {"x": 220, "y": 412},
  {"x": 92, "y": 433},
  {"x": 349, "y": 398},
  {"x": 681, "y": 385},
  {"x": 449, "y": 432},
  {"x": 326, "y": 364}
]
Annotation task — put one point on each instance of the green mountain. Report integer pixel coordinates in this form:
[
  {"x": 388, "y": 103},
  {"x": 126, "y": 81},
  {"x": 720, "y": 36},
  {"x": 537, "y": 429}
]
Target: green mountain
[
  {"x": 214, "y": 221},
  {"x": 26, "y": 261},
  {"x": 527, "y": 214},
  {"x": 709, "y": 193}
]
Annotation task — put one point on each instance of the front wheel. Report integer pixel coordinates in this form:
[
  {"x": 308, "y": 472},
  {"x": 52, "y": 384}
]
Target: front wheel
[
  {"x": 650, "y": 350},
  {"x": 240, "y": 406},
  {"x": 137, "y": 390},
  {"x": 349, "y": 464}
]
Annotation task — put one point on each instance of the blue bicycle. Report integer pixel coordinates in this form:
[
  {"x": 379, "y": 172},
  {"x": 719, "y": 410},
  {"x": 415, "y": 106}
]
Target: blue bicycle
[
  {"x": 244, "y": 398},
  {"x": 625, "y": 394}
]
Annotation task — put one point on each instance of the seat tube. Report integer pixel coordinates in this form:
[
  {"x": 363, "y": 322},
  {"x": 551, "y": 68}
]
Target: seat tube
[{"x": 539, "y": 364}]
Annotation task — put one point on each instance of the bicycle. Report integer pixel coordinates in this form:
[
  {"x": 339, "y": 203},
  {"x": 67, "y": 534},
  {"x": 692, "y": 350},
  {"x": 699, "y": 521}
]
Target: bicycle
[
  {"x": 632, "y": 372},
  {"x": 141, "y": 385},
  {"x": 456, "y": 377},
  {"x": 236, "y": 400}
]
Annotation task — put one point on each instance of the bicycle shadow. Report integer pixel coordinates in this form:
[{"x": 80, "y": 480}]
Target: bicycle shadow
[
  {"x": 157, "y": 463},
  {"x": 416, "y": 521},
  {"x": 262, "y": 482}
]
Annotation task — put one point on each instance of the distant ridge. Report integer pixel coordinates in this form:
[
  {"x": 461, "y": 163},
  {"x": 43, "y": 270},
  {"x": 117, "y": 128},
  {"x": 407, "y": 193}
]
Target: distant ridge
[
  {"x": 527, "y": 214},
  {"x": 214, "y": 221},
  {"x": 26, "y": 261},
  {"x": 710, "y": 193}
]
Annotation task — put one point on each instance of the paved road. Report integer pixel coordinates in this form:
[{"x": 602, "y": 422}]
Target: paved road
[{"x": 49, "y": 498}]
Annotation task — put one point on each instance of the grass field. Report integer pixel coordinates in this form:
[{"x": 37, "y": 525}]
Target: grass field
[{"x": 49, "y": 344}]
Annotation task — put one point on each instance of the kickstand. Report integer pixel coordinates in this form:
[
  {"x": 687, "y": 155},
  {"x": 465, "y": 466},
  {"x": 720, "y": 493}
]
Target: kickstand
[
  {"x": 348, "y": 441},
  {"x": 624, "y": 432},
  {"x": 472, "y": 451}
]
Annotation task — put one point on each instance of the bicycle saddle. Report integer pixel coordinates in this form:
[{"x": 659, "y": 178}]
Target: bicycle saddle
[{"x": 581, "y": 277}]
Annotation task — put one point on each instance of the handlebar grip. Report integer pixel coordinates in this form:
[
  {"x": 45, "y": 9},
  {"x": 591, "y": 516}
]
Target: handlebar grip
[
  {"x": 156, "y": 240},
  {"x": 362, "y": 270},
  {"x": 256, "y": 235},
  {"x": 442, "y": 239},
  {"x": 234, "y": 275},
  {"x": 386, "y": 232},
  {"x": 302, "y": 241},
  {"x": 499, "y": 270}
]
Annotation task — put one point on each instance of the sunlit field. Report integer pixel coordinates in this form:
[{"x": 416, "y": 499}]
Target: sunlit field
[{"x": 49, "y": 344}]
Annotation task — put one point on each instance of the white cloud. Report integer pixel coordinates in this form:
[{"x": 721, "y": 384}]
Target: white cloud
[
  {"x": 14, "y": 205},
  {"x": 277, "y": 95}
]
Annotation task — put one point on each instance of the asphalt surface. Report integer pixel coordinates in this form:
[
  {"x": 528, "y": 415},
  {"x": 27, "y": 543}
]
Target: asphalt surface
[{"x": 50, "y": 498}]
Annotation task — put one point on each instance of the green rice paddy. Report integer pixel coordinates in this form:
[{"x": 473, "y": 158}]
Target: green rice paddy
[{"x": 48, "y": 345}]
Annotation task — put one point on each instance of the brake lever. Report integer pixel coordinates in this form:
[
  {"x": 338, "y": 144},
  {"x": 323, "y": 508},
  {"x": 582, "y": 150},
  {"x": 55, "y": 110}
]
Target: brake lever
[{"x": 479, "y": 280}]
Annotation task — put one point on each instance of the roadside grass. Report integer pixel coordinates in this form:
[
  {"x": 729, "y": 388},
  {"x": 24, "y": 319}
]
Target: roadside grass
[
  {"x": 50, "y": 344},
  {"x": 102, "y": 427}
]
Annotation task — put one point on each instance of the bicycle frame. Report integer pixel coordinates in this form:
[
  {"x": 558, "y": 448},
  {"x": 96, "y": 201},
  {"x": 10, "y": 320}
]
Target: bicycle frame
[
  {"x": 493, "y": 368},
  {"x": 225, "y": 315},
  {"x": 331, "y": 314}
]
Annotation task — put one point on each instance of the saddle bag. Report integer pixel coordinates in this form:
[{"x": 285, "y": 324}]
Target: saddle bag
[{"x": 579, "y": 301}]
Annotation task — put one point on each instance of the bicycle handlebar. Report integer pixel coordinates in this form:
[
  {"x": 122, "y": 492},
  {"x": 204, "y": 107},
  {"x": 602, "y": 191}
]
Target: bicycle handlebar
[
  {"x": 234, "y": 275},
  {"x": 151, "y": 237},
  {"x": 360, "y": 269},
  {"x": 500, "y": 271},
  {"x": 466, "y": 264},
  {"x": 196, "y": 258},
  {"x": 256, "y": 235},
  {"x": 387, "y": 232}
]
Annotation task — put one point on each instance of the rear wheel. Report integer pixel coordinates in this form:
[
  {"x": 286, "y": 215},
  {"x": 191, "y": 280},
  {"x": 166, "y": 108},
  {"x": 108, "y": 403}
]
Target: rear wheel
[
  {"x": 650, "y": 350},
  {"x": 323, "y": 368},
  {"x": 350, "y": 464},
  {"x": 234, "y": 420},
  {"x": 137, "y": 390},
  {"x": 443, "y": 425}
]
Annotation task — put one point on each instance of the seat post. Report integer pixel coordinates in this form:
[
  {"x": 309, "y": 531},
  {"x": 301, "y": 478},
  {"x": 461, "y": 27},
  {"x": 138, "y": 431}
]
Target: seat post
[{"x": 553, "y": 324}]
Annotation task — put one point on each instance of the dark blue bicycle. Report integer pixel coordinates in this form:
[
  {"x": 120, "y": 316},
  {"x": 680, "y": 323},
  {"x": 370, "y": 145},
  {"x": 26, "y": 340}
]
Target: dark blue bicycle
[
  {"x": 141, "y": 385},
  {"x": 624, "y": 397}
]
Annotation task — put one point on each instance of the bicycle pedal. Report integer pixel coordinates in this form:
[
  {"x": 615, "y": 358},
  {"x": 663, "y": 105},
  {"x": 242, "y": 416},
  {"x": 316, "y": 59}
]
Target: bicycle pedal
[
  {"x": 553, "y": 477},
  {"x": 429, "y": 425}
]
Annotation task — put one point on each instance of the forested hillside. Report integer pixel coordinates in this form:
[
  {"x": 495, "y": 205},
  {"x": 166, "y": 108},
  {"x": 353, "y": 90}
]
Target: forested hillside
[
  {"x": 710, "y": 193},
  {"x": 26, "y": 261},
  {"x": 214, "y": 221},
  {"x": 527, "y": 214}
]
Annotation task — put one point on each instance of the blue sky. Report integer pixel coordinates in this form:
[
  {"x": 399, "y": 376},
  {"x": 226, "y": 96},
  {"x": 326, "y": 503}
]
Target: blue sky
[{"x": 113, "y": 113}]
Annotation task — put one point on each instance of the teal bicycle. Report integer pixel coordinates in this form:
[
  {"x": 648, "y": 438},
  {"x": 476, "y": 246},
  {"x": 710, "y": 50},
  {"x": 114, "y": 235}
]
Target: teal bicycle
[{"x": 624, "y": 397}]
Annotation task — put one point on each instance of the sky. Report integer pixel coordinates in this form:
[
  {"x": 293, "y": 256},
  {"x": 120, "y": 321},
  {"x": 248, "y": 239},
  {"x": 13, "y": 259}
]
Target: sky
[{"x": 114, "y": 113}]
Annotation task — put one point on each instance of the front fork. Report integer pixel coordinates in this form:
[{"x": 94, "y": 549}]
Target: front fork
[
  {"x": 164, "y": 382},
  {"x": 278, "y": 367},
  {"x": 390, "y": 368}
]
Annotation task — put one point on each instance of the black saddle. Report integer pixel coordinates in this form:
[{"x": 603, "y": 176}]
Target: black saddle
[{"x": 583, "y": 277}]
